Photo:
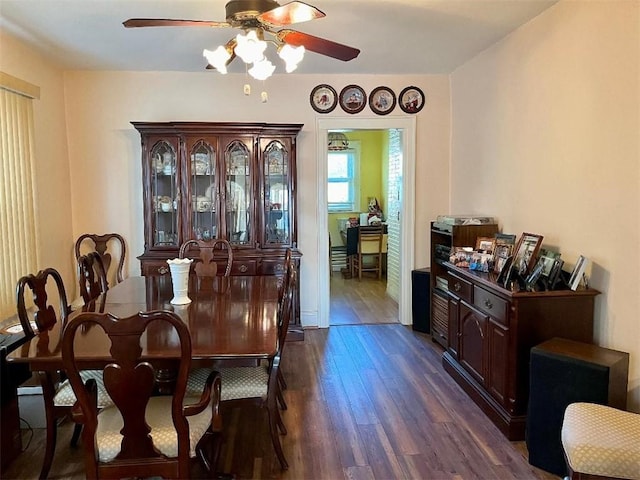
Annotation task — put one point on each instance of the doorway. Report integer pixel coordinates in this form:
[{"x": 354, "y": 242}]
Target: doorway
[{"x": 405, "y": 216}]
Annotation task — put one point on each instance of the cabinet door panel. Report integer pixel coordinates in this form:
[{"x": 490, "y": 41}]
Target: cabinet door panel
[
  {"x": 276, "y": 184},
  {"x": 202, "y": 189},
  {"x": 473, "y": 341},
  {"x": 454, "y": 326},
  {"x": 162, "y": 171},
  {"x": 498, "y": 361},
  {"x": 238, "y": 191}
]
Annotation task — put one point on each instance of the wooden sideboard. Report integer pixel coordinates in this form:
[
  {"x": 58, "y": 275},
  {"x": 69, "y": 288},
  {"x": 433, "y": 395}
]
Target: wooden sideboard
[{"x": 491, "y": 333}]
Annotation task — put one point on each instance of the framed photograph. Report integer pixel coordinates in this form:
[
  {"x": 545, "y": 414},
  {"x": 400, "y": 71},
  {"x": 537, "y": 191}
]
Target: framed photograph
[
  {"x": 578, "y": 272},
  {"x": 505, "y": 272},
  {"x": 485, "y": 244},
  {"x": 382, "y": 100},
  {"x": 503, "y": 249},
  {"x": 352, "y": 99},
  {"x": 547, "y": 257},
  {"x": 555, "y": 274},
  {"x": 411, "y": 100},
  {"x": 534, "y": 276},
  {"x": 323, "y": 98},
  {"x": 526, "y": 252}
]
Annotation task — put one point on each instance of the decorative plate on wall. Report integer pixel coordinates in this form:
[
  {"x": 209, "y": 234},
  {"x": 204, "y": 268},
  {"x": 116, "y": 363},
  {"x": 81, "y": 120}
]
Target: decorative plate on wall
[
  {"x": 323, "y": 98},
  {"x": 352, "y": 99},
  {"x": 382, "y": 100},
  {"x": 411, "y": 100}
]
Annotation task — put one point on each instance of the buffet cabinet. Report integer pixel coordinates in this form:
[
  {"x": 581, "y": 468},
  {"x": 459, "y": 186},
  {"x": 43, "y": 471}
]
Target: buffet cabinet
[
  {"x": 235, "y": 181},
  {"x": 444, "y": 239},
  {"x": 491, "y": 331}
]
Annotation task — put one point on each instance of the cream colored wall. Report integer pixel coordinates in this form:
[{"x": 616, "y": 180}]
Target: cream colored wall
[
  {"x": 546, "y": 137},
  {"x": 105, "y": 149},
  {"x": 53, "y": 187}
]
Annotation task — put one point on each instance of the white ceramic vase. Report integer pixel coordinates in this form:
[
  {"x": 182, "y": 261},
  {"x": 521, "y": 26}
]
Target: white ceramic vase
[{"x": 179, "y": 268}]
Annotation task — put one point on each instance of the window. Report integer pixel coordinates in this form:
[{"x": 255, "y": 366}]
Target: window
[
  {"x": 343, "y": 189},
  {"x": 17, "y": 212}
]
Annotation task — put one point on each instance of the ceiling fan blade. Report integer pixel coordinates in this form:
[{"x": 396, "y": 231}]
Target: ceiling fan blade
[
  {"x": 318, "y": 45},
  {"x": 168, "y": 22},
  {"x": 292, "y": 12}
]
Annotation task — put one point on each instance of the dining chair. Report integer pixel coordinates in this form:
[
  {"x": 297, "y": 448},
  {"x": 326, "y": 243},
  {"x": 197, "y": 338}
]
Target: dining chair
[
  {"x": 258, "y": 383},
  {"x": 57, "y": 393},
  {"x": 142, "y": 434},
  {"x": 92, "y": 276},
  {"x": 109, "y": 245},
  {"x": 370, "y": 240},
  {"x": 283, "y": 287},
  {"x": 207, "y": 267}
]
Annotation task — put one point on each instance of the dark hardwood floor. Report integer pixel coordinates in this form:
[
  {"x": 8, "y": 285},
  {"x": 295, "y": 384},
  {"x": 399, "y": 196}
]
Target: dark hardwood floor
[
  {"x": 365, "y": 402},
  {"x": 360, "y": 302}
]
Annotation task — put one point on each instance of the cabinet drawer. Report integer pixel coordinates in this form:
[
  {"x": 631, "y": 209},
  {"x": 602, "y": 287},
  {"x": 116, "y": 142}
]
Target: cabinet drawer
[
  {"x": 155, "y": 268},
  {"x": 242, "y": 267},
  {"x": 492, "y": 305},
  {"x": 459, "y": 287}
]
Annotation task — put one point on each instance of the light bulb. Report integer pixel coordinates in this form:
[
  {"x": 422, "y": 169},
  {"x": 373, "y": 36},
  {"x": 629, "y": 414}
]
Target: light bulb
[
  {"x": 262, "y": 70},
  {"x": 250, "y": 48},
  {"x": 217, "y": 58},
  {"x": 292, "y": 56}
]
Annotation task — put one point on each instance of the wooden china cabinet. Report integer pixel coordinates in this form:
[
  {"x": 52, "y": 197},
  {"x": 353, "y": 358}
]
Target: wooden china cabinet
[{"x": 235, "y": 181}]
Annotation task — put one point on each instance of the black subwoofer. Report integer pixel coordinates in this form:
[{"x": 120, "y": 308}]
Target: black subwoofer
[
  {"x": 421, "y": 299},
  {"x": 563, "y": 372}
]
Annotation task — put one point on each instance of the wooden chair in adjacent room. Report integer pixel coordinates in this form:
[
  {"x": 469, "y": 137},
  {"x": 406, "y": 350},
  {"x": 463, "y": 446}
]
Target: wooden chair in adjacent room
[
  {"x": 258, "y": 383},
  {"x": 109, "y": 246},
  {"x": 210, "y": 253},
  {"x": 370, "y": 241},
  {"x": 142, "y": 435},
  {"x": 92, "y": 277},
  {"x": 57, "y": 393}
]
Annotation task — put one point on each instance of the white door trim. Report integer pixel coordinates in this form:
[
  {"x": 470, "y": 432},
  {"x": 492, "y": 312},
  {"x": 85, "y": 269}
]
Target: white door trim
[{"x": 407, "y": 225}]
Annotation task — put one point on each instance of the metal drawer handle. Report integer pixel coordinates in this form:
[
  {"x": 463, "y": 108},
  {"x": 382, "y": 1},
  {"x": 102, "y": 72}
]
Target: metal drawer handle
[
  {"x": 487, "y": 303},
  {"x": 457, "y": 287},
  {"x": 243, "y": 268},
  {"x": 163, "y": 270}
]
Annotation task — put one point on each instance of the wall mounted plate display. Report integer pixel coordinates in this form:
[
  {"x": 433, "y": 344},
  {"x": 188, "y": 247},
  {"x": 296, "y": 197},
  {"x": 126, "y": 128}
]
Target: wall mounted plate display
[
  {"x": 382, "y": 100},
  {"x": 411, "y": 100},
  {"x": 352, "y": 99},
  {"x": 323, "y": 98}
]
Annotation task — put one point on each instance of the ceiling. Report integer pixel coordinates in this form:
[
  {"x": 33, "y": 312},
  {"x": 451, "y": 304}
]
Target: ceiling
[{"x": 394, "y": 36}]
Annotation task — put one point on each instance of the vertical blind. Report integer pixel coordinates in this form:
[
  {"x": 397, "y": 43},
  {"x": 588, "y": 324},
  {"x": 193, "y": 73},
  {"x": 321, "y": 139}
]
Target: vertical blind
[{"x": 18, "y": 231}]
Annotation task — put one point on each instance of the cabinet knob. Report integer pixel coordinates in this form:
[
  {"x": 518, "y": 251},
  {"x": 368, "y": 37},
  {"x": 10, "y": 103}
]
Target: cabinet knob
[
  {"x": 457, "y": 287},
  {"x": 487, "y": 303},
  {"x": 243, "y": 268},
  {"x": 163, "y": 270}
]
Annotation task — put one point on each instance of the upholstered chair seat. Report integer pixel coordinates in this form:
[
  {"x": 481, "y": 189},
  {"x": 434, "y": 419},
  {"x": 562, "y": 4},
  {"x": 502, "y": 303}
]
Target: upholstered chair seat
[
  {"x": 65, "y": 397},
  {"x": 237, "y": 382},
  {"x": 601, "y": 440}
]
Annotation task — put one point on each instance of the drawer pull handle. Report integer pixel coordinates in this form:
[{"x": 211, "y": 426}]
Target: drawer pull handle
[
  {"x": 243, "y": 268},
  {"x": 457, "y": 287},
  {"x": 162, "y": 270},
  {"x": 487, "y": 303}
]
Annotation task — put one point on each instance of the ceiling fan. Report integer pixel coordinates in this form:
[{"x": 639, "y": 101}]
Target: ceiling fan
[{"x": 262, "y": 16}]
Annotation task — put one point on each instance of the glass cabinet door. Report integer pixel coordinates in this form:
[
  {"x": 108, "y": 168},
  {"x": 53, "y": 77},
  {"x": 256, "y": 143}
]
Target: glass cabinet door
[
  {"x": 164, "y": 195},
  {"x": 276, "y": 194},
  {"x": 204, "y": 191},
  {"x": 238, "y": 193}
]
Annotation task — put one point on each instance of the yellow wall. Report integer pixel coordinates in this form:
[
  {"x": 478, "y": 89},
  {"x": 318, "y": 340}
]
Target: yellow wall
[
  {"x": 53, "y": 185},
  {"x": 371, "y": 175},
  {"x": 545, "y": 134}
]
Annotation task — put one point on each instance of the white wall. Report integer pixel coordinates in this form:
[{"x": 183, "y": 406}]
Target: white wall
[
  {"x": 545, "y": 136},
  {"x": 104, "y": 149},
  {"x": 53, "y": 200}
]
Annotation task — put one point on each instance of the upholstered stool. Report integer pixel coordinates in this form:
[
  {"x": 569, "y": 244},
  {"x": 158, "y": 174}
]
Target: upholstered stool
[{"x": 601, "y": 441}]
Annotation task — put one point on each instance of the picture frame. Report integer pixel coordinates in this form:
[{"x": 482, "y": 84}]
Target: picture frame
[
  {"x": 411, "y": 99},
  {"x": 547, "y": 257},
  {"x": 352, "y": 99},
  {"x": 535, "y": 275},
  {"x": 485, "y": 244},
  {"x": 503, "y": 249},
  {"x": 323, "y": 98},
  {"x": 382, "y": 100},
  {"x": 578, "y": 272},
  {"x": 505, "y": 272},
  {"x": 555, "y": 274},
  {"x": 526, "y": 252}
]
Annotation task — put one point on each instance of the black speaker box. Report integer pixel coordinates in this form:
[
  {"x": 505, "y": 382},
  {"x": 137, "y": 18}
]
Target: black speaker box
[
  {"x": 421, "y": 299},
  {"x": 563, "y": 372}
]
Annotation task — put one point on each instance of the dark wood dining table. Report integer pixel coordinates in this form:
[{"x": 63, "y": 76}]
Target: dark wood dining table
[{"x": 234, "y": 318}]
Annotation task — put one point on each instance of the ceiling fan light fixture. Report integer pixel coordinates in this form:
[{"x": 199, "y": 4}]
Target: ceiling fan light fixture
[
  {"x": 338, "y": 142},
  {"x": 250, "y": 47},
  {"x": 291, "y": 55},
  {"x": 262, "y": 69},
  {"x": 218, "y": 58}
]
